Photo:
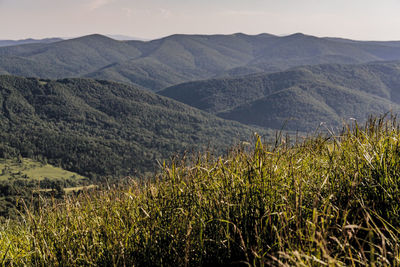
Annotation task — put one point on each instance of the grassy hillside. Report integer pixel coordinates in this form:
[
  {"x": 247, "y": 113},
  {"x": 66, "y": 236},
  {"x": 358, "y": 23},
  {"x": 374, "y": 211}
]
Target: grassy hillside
[
  {"x": 180, "y": 58},
  {"x": 99, "y": 128},
  {"x": 325, "y": 201},
  {"x": 300, "y": 98}
]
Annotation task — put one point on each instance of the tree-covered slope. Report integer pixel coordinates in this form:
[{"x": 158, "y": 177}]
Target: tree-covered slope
[
  {"x": 99, "y": 128},
  {"x": 301, "y": 97},
  {"x": 304, "y": 109},
  {"x": 180, "y": 58}
]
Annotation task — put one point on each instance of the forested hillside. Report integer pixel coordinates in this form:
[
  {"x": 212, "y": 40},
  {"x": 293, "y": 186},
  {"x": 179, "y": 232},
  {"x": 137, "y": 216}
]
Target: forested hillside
[
  {"x": 100, "y": 128},
  {"x": 300, "y": 98}
]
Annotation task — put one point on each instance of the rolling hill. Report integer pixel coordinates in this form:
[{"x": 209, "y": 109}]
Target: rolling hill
[
  {"x": 301, "y": 97},
  {"x": 100, "y": 128},
  {"x": 180, "y": 58}
]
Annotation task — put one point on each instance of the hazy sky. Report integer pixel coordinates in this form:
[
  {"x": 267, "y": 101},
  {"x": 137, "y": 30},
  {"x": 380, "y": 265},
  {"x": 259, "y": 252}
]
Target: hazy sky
[{"x": 356, "y": 19}]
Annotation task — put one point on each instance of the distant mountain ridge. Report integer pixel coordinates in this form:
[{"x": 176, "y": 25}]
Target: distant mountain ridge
[
  {"x": 28, "y": 41},
  {"x": 121, "y": 37},
  {"x": 300, "y": 98},
  {"x": 180, "y": 58}
]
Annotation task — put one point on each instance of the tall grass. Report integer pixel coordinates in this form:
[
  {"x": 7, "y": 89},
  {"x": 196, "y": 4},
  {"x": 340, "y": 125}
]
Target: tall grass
[{"x": 326, "y": 200}]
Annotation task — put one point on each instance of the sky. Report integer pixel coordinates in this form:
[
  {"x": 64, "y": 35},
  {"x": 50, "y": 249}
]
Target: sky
[{"x": 151, "y": 19}]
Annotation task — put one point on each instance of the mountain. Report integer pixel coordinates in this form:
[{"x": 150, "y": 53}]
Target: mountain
[
  {"x": 300, "y": 98},
  {"x": 68, "y": 58},
  {"x": 181, "y": 58},
  {"x": 28, "y": 41},
  {"x": 178, "y": 58},
  {"x": 100, "y": 128}
]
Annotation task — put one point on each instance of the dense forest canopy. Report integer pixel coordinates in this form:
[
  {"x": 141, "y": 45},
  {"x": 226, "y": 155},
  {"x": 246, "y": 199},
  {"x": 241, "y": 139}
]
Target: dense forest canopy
[{"x": 100, "y": 128}]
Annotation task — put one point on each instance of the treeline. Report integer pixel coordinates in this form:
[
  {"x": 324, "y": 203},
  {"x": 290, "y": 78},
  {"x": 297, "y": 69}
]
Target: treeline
[{"x": 17, "y": 194}]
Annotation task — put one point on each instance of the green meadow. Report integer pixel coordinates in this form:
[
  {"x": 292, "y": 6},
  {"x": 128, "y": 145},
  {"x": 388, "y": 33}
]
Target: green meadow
[{"x": 33, "y": 170}]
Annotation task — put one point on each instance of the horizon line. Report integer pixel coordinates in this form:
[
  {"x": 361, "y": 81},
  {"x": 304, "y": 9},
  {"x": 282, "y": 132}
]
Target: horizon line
[{"x": 124, "y": 37}]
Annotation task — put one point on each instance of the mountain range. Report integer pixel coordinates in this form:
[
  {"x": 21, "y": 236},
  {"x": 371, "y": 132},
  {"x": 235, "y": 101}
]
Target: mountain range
[{"x": 175, "y": 59}]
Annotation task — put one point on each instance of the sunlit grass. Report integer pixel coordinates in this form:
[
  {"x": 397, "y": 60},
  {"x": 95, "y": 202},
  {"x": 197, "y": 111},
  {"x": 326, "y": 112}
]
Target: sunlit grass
[{"x": 328, "y": 200}]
